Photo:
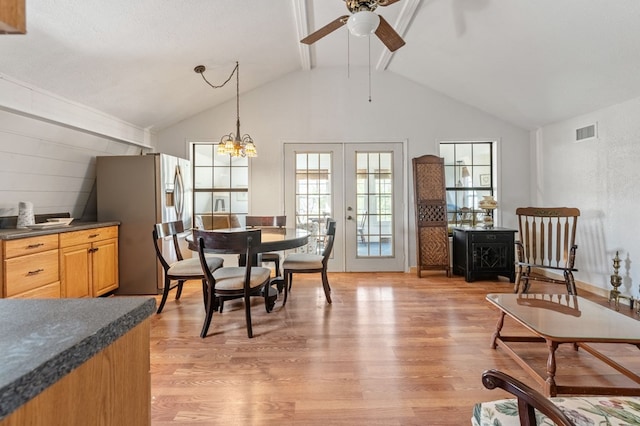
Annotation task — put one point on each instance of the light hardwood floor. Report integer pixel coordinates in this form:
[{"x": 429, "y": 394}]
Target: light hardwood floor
[{"x": 392, "y": 349}]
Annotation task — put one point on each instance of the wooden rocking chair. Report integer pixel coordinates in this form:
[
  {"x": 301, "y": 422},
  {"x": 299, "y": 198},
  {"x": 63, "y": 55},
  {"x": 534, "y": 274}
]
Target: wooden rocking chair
[{"x": 547, "y": 242}]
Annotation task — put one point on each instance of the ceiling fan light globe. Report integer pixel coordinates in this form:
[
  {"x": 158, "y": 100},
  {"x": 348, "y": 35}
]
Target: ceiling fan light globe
[{"x": 363, "y": 23}]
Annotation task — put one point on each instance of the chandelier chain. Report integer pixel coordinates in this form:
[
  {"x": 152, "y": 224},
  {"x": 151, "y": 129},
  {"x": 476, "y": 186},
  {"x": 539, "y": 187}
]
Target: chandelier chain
[
  {"x": 234, "y": 145},
  {"x": 201, "y": 72}
]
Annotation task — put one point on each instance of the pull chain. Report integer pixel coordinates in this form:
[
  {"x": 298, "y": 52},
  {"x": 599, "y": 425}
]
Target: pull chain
[
  {"x": 369, "y": 69},
  {"x": 348, "y": 56}
]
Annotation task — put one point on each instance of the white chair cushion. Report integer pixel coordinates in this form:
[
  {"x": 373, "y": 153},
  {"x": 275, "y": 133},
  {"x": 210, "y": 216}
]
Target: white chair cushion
[
  {"x": 302, "y": 261},
  {"x": 192, "y": 267},
  {"x": 588, "y": 410},
  {"x": 232, "y": 278}
]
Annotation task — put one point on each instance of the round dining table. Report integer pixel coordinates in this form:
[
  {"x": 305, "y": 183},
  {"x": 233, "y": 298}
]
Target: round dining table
[{"x": 272, "y": 239}]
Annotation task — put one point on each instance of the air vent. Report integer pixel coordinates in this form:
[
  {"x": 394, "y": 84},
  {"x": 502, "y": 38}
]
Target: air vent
[{"x": 587, "y": 132}]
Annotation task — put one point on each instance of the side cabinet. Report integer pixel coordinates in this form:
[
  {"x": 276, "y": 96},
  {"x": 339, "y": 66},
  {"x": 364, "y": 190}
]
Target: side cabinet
[
  {"x": 89, "y": 262},
  {"x": 484, "y": 253}
]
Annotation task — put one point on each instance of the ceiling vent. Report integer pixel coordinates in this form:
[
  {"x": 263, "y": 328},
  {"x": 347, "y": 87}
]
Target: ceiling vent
[{"x": 587, "y": 132}]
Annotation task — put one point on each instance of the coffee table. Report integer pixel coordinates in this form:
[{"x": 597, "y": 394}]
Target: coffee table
[{"x": 561, "y": 318}]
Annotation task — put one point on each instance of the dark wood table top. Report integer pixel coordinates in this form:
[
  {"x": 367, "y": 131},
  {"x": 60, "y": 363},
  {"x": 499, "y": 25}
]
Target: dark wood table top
[{"x": 273, "y": 239}]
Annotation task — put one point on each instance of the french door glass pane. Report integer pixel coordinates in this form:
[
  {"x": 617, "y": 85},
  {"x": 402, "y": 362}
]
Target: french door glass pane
[
  {"x": 313, "y": 195},
  {"x": 374, "y": 204}
]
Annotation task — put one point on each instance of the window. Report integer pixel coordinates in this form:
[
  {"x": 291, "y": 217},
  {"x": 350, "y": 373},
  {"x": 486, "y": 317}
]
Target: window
[
  {"x": 220, "y": 185},
  {"x": 468, "y": 168}
]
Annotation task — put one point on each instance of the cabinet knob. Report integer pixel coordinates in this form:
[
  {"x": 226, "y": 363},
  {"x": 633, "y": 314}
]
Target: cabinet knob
[{"x": 37, "y": 271}]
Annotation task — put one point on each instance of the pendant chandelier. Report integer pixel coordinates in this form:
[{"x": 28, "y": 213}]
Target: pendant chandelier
[{"x": 232, "y": 144}]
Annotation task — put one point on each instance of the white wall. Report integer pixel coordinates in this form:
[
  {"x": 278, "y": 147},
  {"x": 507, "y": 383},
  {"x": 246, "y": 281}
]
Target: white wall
[
  {"x": 599, "y": 177},
  {"x": 325, "y": 106}
]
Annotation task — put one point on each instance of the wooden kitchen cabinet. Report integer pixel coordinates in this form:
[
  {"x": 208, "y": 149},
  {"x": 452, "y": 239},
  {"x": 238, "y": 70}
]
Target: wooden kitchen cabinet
[
  {"x": 75, "y": 271},
  {"x": 89, "y": 262},
  {"x": 30, "y": 267},
  {"x": 57, "y": 373},
  {"x": 12, "y": 17}
]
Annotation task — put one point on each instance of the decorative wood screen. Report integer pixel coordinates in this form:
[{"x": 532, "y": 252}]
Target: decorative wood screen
[{"x": 432, "y": 236}]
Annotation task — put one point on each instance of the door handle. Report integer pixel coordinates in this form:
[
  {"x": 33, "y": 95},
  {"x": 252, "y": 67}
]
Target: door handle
[{"x": 179, "y": 193}]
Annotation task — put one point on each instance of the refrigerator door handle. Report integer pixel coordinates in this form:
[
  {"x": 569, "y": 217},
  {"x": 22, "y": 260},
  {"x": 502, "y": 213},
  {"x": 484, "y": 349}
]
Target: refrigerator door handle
[{"x": 179, "y": 192}]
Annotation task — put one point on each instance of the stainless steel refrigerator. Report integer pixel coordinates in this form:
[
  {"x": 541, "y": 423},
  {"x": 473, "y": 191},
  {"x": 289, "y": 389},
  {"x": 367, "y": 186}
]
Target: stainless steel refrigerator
[{"x": 140, "y": 191}]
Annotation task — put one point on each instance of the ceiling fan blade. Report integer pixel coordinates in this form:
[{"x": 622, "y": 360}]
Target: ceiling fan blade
[
  {"x": 386, "y": 2},
  {"x": 389, "y": 36},
  {"x": 326, "y": 30}
]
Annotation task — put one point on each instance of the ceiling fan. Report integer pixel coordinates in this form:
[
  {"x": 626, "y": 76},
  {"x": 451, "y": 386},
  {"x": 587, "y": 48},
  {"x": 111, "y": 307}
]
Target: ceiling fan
[{"x": 362, "y": 21}]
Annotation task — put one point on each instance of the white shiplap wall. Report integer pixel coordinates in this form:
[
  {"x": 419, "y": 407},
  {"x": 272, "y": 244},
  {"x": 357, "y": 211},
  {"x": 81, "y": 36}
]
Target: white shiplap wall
[{"x": 49, "y": 164}]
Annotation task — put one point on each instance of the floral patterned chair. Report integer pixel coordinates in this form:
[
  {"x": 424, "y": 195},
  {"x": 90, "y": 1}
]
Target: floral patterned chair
[{"x": 532, "y": 408}]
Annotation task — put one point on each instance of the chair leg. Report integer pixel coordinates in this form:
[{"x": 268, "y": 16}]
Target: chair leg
[
  {"x": 526, "y": 283},
  {"x": 325, "y": 285},
  {"x": 247, "y": 310},
  {"x": 269, "y": 300},
  {"x": 179, "y": 291},
  {"x": 571, "y": 284},
  {"x": 209, "y": 311},
  {"x": 165, "y": 293},
  {"x": 277, "y": 262},
  {"x": 204, "y": 293},
  {"x": 287, "y": 278}
]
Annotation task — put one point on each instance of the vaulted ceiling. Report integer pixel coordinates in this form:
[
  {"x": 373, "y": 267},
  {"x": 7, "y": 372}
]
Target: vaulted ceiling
[{"x": 529, "y": 62}]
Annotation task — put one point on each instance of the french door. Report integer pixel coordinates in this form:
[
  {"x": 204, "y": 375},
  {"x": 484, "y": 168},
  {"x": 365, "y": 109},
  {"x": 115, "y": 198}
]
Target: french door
[{"x": 361, "y": 186}]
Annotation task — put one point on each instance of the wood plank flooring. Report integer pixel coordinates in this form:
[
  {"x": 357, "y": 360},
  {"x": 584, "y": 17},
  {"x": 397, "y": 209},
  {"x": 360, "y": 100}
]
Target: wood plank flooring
[{"x": 392, "y": 349}]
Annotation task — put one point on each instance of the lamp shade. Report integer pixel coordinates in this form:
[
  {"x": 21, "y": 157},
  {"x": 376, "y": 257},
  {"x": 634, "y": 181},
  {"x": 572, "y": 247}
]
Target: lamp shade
[{"x": 363, "y": 23}]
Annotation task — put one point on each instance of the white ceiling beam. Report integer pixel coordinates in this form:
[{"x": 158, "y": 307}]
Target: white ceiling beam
[
  {"x": 302, "y": 26},
  {"x": 401, "y": 26}
]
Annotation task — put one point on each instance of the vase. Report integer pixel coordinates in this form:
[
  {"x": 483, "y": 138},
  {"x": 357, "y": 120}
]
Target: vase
[
  {"x": 25, "y": 214},
  {"x": 488, "y": 202}
]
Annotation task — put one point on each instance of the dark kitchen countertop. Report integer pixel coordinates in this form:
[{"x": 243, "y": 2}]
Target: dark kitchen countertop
[
  {"x": 14, "y": 234},
  {"x": 43, "y": 340}
]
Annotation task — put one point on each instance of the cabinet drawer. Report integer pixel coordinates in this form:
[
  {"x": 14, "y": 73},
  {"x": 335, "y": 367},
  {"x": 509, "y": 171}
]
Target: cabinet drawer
[
  {"x": 29, "y": 272},
  {"x": 491, "y": 237},
  {"x": 68, "y": 239},
  {"x": 31, "y": 245},
  {"x": 50, "y": 291}
]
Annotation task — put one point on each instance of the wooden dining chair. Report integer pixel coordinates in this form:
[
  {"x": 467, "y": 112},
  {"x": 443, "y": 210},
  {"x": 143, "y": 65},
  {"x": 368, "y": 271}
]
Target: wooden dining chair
[
  {"x": 305, "y": 263},
  {"x": 361, "y": 226},
  {"x": 233, "y": 282},
  {"x": 180, "y": 269},
  {"x": 263, "y": 222}
]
